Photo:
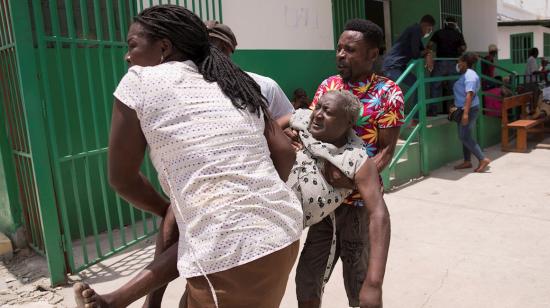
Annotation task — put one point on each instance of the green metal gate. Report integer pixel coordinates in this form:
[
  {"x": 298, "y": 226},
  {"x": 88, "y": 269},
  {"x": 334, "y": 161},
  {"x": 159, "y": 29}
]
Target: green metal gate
[
  {"x": 63, "y": 59},
  {"x": 344, "y": 10},
  {"x": 14, "y": 126}
]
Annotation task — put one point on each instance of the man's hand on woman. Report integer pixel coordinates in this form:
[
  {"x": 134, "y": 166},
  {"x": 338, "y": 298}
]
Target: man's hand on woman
[{"x": 295, "y": 138}]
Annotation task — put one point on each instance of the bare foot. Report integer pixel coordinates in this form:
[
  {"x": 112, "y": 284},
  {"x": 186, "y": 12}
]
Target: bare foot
[
  {"x": 483, "y": 165},
  {"x": 464, "y": 165},
  {"x": 86, "y": 297}
]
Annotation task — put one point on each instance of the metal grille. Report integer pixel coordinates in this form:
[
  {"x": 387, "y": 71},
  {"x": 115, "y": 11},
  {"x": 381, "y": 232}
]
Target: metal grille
[
  {"x": 16, "y": 127},
  {"x": 519, "y": 46},
  {"x": 451, "y": 8},
  {"x": 344, "y": 10},
  {"x": 205, "y": 9},
  {"x": 71, "y": 68}
]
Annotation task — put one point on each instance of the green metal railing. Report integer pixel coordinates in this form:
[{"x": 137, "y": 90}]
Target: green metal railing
[
  {"x": 60, "y": 63},
  {"x": 418, "y": 110}
]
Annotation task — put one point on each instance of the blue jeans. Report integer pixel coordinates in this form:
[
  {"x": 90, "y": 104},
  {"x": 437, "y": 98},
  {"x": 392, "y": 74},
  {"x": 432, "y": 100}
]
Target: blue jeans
[
  {"x": 441, "y": 68},
  {"x": 469, "y": 145}
]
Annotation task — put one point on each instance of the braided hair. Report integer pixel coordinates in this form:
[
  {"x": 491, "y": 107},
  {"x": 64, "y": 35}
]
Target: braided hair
[{"x": 189, "y": 36}]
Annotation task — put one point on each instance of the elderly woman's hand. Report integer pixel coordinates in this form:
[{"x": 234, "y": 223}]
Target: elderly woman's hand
[{"x": 294, "y": 138}]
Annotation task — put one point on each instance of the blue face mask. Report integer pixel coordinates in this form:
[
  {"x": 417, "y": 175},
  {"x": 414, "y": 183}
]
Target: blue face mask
[{"x": 427, "y": 34}]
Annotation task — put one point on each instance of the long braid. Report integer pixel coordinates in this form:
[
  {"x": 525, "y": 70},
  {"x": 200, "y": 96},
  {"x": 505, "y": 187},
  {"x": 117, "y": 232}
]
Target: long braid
[{"x": 189, "y": 36}]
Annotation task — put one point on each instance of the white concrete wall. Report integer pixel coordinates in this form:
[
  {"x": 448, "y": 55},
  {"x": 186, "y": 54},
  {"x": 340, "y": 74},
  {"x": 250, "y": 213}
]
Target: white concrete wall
[
  {"x": 280, "y": 24},
  {"x": 479, "y": 23},
  {"x": 524, "y": 9},
  {"x": 504, "y": 38}
]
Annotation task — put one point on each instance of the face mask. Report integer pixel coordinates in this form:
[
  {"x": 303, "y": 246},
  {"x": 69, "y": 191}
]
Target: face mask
[{"x": 457, "y": 68}]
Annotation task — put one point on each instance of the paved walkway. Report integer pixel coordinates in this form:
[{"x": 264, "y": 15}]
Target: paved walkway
[{"x": 459, "y": 239}]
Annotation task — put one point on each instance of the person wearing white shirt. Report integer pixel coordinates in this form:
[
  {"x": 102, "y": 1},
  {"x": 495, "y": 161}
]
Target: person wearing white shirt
[{"x": 220, "y": 158}]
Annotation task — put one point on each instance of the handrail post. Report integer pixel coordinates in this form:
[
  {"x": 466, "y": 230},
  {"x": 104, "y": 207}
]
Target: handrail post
[
  {"x": 481, "y": 118},
  {"x": 421, "y": 100}
]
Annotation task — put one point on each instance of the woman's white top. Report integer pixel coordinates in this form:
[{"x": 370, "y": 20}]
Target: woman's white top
[{"x": 213, "y": 161}]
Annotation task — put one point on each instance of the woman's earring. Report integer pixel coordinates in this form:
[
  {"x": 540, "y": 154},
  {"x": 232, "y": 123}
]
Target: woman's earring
[{"x": 161, "y": 58}]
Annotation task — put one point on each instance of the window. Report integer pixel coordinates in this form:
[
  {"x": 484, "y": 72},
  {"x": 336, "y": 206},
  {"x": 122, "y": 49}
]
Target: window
[
  {"x": 519, "y": 46},
  {"x": 546, "y": 43},
  {"x": 451, "y": 8}
]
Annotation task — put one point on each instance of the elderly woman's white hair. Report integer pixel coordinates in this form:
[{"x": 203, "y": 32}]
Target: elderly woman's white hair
[{"x": 350, "y": 102}]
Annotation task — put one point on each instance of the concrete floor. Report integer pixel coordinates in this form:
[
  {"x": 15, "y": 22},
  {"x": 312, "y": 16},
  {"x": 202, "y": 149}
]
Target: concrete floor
[{"x": 459, "y": 239}]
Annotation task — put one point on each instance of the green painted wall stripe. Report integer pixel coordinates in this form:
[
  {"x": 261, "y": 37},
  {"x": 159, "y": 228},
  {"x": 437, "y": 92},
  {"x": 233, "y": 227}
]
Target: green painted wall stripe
[{"x": 290, "y": 68}]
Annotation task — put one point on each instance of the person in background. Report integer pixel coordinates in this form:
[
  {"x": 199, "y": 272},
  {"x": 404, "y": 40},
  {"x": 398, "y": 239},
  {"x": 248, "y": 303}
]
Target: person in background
[
  {"x": 408, "y": 47},
  {"x": 278, "y": 104},
  {"x": 489, "y": 69},
  {"x": 532, "y": 74},
  {"x": 449, "y": 43},
  {"x": 465, "y": 92},
  {"x": 544, "y": 70},
  {"x": 379, "y": 63},
  {"x": 300, "y": 100},
  {"x": 493, "y": 97},
  {"x": 532, "y": 68}
]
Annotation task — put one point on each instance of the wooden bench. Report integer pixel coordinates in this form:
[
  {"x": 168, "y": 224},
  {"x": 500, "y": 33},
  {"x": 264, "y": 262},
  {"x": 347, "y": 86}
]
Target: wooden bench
[{"x": 523, "y": 126}]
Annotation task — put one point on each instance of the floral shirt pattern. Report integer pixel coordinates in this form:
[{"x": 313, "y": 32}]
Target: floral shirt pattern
[{"x": 382, "y": 102}]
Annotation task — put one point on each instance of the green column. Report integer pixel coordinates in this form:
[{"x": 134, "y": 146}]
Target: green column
[
  {"x": 421, "y": 91},
  {"x": 481, "y": 118},
  {"x": 32, "y": 101}
]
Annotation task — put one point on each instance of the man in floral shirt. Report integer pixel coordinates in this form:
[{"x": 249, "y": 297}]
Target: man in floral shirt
[{"x": 362, "y": 243}]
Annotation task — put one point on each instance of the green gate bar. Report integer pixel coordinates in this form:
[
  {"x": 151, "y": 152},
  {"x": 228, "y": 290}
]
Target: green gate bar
[{"x": 30, "y": 91}]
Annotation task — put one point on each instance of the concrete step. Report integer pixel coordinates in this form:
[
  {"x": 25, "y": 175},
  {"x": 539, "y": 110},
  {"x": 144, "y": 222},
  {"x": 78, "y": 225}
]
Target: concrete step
[{"x": 408, "y": 166}]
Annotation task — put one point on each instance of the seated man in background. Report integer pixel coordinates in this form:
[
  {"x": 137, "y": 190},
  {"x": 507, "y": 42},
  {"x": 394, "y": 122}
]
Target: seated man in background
[
  {"x": 494, "y": 96},
  {"x": 542, "y": 110}
]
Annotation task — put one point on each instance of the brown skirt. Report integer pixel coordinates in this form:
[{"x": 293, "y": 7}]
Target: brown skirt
[{"x": 260, "y": 283}]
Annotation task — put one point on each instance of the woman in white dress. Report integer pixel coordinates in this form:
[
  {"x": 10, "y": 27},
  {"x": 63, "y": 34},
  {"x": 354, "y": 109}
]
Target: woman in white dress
[{"x": 219, "y": 157}]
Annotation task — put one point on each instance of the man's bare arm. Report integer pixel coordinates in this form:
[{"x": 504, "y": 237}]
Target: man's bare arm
[
  {"x": 379, "y": 231},
  {"x": 387, "y": 139}
]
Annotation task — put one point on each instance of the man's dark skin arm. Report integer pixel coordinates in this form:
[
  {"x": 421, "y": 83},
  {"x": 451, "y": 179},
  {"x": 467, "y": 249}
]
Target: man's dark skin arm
[
  {"x": 126, "y": 151},
  {"x": 369, "y": 187},
  {"x": 387, "y": 139}
]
